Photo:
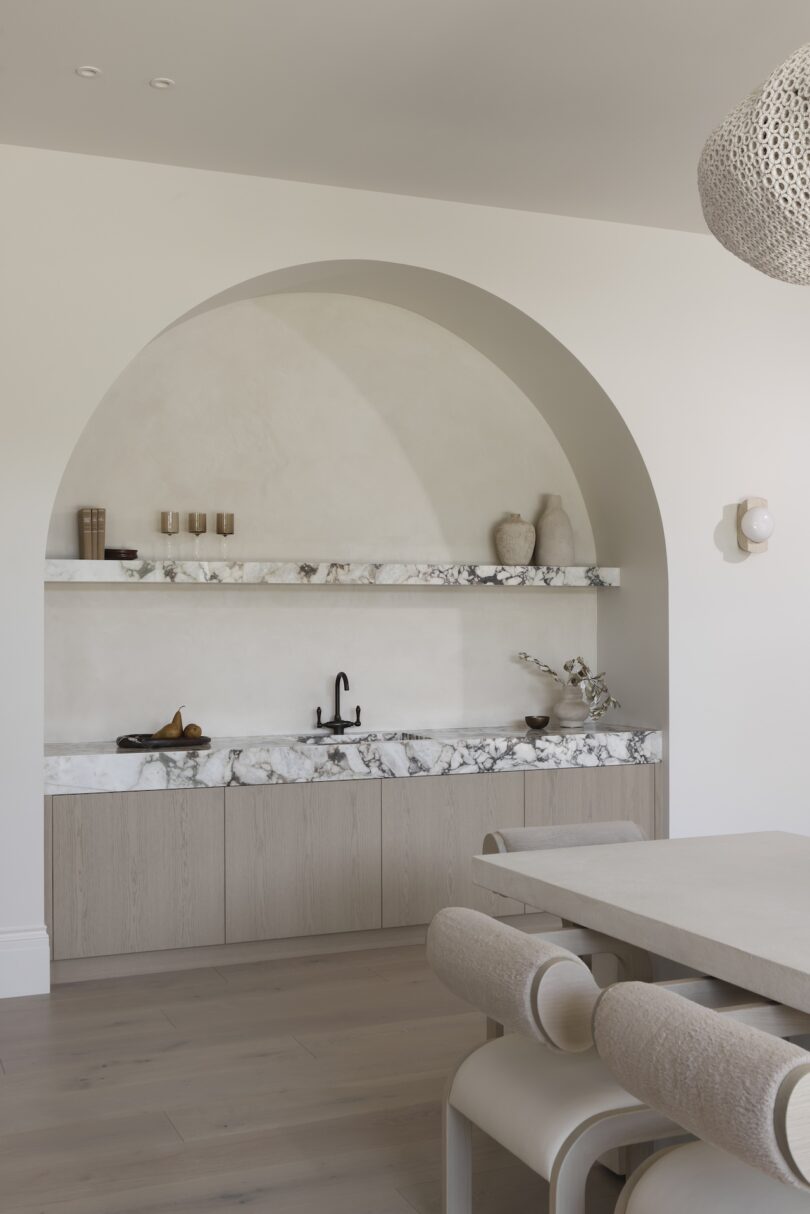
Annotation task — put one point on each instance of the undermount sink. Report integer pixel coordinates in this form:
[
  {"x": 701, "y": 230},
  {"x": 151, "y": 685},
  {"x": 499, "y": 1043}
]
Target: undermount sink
[{"x": 335, "y": 739}]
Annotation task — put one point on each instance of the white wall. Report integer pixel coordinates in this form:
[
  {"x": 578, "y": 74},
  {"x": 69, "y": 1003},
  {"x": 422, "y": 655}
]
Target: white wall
[
  {"x": 335, "y": 428},
  {"x": 707, "y": 362}
]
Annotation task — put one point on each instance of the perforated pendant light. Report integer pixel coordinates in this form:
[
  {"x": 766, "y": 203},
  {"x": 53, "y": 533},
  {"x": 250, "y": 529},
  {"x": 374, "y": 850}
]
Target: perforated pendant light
[{"x": 754, "y": 175}]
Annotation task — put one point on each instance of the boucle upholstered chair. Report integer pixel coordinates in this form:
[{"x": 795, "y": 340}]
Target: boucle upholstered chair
[
  {"x": 696, "y": 1177},
  {"x": 743, "y": 1093},
  {"x": 578, "y": 834},
  {"x": 663, "y": 1066},
  {"x": 558, "y": 1112}
]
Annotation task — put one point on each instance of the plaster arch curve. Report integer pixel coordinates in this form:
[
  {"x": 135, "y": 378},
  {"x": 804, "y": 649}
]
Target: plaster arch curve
[
  {"x": 618, "y": 491},
  {"x": 632, "y": 631}
]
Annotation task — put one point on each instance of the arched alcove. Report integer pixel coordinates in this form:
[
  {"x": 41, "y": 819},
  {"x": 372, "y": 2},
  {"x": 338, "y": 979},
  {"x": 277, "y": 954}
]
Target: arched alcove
[
  {"x": 615, "y": 483},
  {"x": 631, "y": 623}
]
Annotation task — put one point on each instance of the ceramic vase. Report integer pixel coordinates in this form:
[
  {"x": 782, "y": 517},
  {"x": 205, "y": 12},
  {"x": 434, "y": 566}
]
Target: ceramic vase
[
  {"x": 555, "y": 535},
  {"x": 571, "y": 709},
  {"x": 514, "y": 541}
]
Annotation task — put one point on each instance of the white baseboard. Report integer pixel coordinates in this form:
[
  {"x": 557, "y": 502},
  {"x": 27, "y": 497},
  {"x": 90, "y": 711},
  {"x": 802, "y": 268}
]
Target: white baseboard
[{"x": 25, "y": 961}]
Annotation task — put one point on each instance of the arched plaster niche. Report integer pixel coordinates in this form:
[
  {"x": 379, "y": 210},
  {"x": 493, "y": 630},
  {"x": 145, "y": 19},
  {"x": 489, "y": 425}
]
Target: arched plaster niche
[{"x": 632, "y": 629}]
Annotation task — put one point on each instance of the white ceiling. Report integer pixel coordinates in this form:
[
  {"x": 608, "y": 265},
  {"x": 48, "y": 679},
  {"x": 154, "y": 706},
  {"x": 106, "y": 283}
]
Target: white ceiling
[{"x": 595, "y": 108}]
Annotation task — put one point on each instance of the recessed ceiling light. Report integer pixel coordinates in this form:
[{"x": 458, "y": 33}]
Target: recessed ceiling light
[
  {"x": 161, "y": 82},
  {"x": 88, "y": 72}
]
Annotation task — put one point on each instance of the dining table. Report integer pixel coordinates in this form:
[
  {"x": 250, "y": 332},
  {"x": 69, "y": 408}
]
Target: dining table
[{"x": 735, "y": 907}]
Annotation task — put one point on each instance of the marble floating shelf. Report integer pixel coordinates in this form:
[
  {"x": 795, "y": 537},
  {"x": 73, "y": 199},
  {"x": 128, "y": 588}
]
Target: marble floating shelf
[{"x": 325, "y": 573}]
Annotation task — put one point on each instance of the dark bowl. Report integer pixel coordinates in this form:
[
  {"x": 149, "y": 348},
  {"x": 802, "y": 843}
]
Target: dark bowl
[{"x": 537, "y": 722}]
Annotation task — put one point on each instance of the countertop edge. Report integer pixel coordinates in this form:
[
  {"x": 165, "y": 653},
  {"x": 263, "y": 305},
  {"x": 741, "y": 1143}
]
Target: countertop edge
[{"x": 230, "y": 763}]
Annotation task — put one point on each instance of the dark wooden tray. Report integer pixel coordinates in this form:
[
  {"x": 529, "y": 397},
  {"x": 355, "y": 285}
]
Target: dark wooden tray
[{"x": 145, "y": 741}]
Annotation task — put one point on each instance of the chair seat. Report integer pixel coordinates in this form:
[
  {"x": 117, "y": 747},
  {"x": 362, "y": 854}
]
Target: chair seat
[
  {"x": 530, "y": 1099},
  {"x": 700, "y": 1179}
]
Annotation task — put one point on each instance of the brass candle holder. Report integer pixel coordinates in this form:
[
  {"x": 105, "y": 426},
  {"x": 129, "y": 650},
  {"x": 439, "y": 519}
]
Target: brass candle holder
[
  {"x": 224, "y": 524},
  {"x": 198, "y": 522}
]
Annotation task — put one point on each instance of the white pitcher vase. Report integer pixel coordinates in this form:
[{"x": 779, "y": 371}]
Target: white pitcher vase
[{"x": 572, "y": 710}]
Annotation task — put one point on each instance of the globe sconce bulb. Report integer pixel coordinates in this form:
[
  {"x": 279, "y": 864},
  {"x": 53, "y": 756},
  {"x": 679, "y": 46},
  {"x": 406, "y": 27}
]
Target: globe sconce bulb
[{"x": 754, "y": 524}]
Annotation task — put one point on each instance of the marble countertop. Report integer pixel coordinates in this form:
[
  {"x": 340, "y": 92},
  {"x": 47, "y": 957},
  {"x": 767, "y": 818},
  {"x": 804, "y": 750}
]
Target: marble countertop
[{"x": 301, "y": 758}]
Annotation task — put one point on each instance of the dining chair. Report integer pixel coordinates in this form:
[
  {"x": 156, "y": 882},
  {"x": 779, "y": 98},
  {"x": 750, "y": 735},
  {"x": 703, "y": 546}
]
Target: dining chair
[
  {"x": 608, "y": 959},
  {"x": 697, "y": 1178},
  {"x": 743, "y": 1093},
  {"x": 575, "y": 834},
  {"x": 541, "y": 1091}
]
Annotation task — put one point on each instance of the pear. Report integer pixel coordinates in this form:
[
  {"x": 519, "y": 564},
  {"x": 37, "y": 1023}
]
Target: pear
[
  {"x": 174, "y": 729},
  {"x": 192, "y": 731}
]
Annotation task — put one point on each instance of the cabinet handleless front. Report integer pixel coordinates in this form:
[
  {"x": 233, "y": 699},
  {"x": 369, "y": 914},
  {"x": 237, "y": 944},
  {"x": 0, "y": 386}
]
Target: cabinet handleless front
[
  {"x": 302, "y": 859},
  {"x": 592, "y": 794},
  {"x": 138, "y": 871},
  {"x": 432, "y": 827}
]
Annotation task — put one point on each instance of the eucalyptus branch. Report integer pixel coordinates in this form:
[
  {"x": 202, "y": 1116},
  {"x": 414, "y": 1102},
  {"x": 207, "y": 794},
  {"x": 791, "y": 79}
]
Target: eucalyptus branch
[
  {"x": 579, "y": 674},
  {"x": 541, "y": 666}
]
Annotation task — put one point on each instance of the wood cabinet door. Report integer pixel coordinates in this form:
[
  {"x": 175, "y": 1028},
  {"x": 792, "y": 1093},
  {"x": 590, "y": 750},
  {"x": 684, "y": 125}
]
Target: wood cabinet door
[
  {"x": 592, "y": 794},
  {"x": 302, "y": 859},
  {"x": 432, "y": 827},
  {"x": 138, "y": 871}
]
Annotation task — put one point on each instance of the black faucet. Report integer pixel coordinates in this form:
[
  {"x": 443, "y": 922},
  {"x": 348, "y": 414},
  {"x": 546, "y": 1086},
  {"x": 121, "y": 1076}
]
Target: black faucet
[{"x": 337, "y": 724}]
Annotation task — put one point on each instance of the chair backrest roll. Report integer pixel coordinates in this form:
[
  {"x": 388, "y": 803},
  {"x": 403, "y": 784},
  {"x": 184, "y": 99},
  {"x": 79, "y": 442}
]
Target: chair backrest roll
[
  {"x": 529, "y": 985},
  {"x": 732, "y": 1085},
  {"x": 544, "y": 838}
]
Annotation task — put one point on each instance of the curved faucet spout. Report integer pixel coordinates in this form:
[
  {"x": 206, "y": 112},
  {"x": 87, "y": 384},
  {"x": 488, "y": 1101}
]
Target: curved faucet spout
[
  {"x": 337, "y": 724},
  {"x": 341, "y": 678}
]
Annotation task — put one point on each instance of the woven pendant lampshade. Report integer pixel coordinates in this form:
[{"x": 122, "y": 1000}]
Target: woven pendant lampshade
[{"x": 754, "y": 175}]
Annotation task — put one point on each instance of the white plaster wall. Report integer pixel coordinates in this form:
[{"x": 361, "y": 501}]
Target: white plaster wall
[
  {"x": 707, "y": 362},
  {"x": 335, "y": 428}
]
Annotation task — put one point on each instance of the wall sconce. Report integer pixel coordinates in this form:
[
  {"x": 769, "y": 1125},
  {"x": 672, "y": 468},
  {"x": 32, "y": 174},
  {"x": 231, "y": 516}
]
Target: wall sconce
[{"x": 754, "y": 524}]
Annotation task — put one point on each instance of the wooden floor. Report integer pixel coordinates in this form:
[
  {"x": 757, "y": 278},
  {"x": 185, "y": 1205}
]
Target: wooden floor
[{"x": 295, "y": 1086}]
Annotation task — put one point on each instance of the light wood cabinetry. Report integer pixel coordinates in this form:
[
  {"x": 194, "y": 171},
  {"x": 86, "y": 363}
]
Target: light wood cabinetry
[
  {"x": 592, "y": 794},
  {"x": 432, "y": 826},
  {"x": 302, "y": 859},
  {"x": 138, "y": 871}
]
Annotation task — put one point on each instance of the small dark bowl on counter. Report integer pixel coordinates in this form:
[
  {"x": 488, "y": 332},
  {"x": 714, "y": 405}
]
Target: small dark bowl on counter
[{"x": 537, "y": 723}]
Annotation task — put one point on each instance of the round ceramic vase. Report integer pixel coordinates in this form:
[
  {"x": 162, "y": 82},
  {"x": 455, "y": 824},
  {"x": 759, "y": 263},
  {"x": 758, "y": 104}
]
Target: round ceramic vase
[
  {"x": 555, "y": 535},
  {"x": 571, "y": 709},
  {"x": 514, "y": 541}
]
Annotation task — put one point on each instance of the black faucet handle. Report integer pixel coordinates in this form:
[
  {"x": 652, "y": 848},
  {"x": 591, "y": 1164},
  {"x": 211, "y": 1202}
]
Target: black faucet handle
[
  {"x": 320, "y": 726},
  {"x": 357, "y": 719}
]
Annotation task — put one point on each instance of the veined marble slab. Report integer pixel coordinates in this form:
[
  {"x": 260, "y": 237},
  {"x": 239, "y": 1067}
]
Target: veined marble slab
[
  {"x": 327, "y": 573},
  {"x": 293, "y": 759}
]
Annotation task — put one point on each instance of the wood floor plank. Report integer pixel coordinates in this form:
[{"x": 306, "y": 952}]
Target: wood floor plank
[
  {"x": 397, "y": 1047},
  {"x": 308, "y": 1102},
  {"x": 297, "y": 1086},
  {"x": 327, "y": 1005},
  {"x": 111, "y": 1087},
  {"x": 300, "y": 972},
  {"x": 363, "y": 1185}
]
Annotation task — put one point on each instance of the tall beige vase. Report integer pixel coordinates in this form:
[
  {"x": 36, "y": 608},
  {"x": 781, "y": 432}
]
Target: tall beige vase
[{"x": 555, "y": 535}]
